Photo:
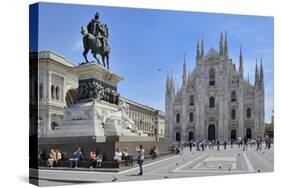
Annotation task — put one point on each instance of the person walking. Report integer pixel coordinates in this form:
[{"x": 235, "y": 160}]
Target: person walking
[
  {"x": 224, "y": 144},
  {"x": 258, "y": 143},
  {"x": 140, "y": 159},
  {"x": 202, "y": 146},
  {"x": 245, "y": 147},
  {"x": 190, "y": 145},
  {"x": 197, "y": 145},
  {"x": 218, "y": 145},
  {"x": 269, "y": 143}
]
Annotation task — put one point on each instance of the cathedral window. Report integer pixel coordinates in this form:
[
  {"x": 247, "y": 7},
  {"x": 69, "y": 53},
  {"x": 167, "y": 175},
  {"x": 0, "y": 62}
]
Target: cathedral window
[
  {"x": 178, "y": 118},
  {"x": 191, "y": 117},
  {"x": 233, "y": 96},
  {"x": 191, "y": 100},
  {"x": 57, "y": 93},
  {"x": 212, "y": 77},
  {"x": 53, "y": 91},
  {"x": 41, "y": 90},
  {"x": 211, "y": 102},
  {"x": 249, "y": 114},
  {"x": 233, "y": 114}
]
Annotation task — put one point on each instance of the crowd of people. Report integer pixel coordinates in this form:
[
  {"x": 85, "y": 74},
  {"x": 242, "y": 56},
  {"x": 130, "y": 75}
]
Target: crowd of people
[
  {"x": 201, "y": 145},
  {"x": 128, "y": 158},
  {"x": 96, "y": 158},
  {"x": 54, "y": 157},
  {"x": 124, "y": 155}
]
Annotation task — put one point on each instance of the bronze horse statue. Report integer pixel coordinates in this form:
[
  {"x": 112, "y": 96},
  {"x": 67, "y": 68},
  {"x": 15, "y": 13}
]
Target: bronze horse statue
[{"x": 90, "y": 42}]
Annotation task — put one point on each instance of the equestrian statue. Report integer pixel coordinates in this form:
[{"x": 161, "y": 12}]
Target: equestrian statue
[{"x": 95, "y": 38}]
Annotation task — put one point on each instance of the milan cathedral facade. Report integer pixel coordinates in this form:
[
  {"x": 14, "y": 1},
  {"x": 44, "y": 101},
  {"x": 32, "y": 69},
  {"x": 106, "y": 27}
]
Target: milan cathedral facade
[{"x": 214, "y": 101}]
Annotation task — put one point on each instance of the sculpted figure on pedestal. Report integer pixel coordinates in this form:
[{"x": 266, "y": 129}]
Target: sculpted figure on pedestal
[
  {"x": 122, "y": 116},
  {"x": 95, "y": 38}
]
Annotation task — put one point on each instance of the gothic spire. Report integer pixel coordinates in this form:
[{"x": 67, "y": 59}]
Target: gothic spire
[
  {"x": 168, "y": 85},
  {"x": 172, "y": 84},
  {"x": 197, "y": 51},
  {"x": 167, "y": 80},
  {"x": 261, "y": 72},
  {"x": 202, "y": 47},
  {"x": 225, "y": 44},
  {"x": 188, "y": 74},
  {"x": 241, "y": 61},
  {"x": 184, "y": 78},
  {"x": 257, "y": 73},
  {"x": 221, "y": 45}
]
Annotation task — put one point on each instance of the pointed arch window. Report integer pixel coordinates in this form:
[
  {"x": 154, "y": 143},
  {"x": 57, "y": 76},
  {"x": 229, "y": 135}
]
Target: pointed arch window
[
  {"x": 191, "y": 117},
  {"x": 249, "y": 113},
  {"x": 212, "y": 77},
  {"x": 212, "y": 102},
  {"x": 233, "y": 114},
  {"x": 233, "y": 96},
  {"x": 191, "y": 100},
  {"x": 178, "y": 118}
]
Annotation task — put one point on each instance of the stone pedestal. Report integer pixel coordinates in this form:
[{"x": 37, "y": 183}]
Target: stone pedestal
[
  {"x": 94, "y": 71},
  {"x": 95, "y": 116}
]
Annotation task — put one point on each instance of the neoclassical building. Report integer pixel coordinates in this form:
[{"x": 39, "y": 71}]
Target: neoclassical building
[
  {"x": 57, "y": 85},
  {"x": 215, "y": 101},
  {"x": 57, "y": 89}
]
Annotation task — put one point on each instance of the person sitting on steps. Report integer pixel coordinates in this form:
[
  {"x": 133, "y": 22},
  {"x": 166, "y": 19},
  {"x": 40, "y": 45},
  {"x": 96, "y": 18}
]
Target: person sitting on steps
[{"x": 117, "y": 157}]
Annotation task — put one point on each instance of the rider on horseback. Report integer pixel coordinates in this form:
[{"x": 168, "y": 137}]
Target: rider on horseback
[
  {"x": 99, "y": 31},
  {"x": 95, "y": 38}
]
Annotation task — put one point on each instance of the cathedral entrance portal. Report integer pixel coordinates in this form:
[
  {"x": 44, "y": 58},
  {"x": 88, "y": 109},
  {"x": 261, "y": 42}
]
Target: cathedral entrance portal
[
  {"x": 211, "y": 132},
  {"x": 190, "y": 136},
  {"x": 233, "y": 134},
  {"x": 178, "y": 136},
  {"x": 249, "y": 134}
]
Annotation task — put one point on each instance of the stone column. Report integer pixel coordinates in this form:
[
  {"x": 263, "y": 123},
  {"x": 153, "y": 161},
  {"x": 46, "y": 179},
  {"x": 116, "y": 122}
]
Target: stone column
[
  {"x": 63, "y": 92},
  {"x": 49, "y": 77},
  {"x": 48, "y": 123}
]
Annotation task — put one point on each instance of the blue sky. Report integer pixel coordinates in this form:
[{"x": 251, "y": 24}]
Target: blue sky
[{"x": 144, "y": 40}]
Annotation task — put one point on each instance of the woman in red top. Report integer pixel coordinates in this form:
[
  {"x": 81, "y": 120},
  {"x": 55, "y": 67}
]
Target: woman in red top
[{"x": 93, "y": 158}]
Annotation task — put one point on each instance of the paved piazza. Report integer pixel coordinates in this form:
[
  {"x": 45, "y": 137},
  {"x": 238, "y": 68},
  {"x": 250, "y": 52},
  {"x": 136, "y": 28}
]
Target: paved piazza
[{"x": 187, "y": 164}]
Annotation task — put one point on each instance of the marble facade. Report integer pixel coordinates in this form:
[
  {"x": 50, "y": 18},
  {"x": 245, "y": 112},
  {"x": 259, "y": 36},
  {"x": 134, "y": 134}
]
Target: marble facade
[{"x": 215, "y": 101}]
